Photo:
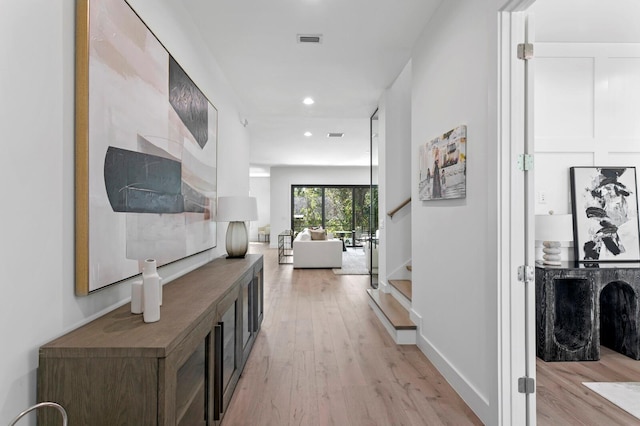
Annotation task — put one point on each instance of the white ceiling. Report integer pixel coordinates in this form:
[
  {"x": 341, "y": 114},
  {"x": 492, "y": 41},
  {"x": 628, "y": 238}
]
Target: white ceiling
[{"x": 365, "y": 45}]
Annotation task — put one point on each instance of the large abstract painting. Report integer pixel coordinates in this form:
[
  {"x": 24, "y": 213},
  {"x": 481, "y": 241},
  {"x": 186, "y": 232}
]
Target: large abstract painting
[
  {"x": 146, "y": 141},
  {"x": 605, "y": 214},
  {"x": 443, "y": 166}
]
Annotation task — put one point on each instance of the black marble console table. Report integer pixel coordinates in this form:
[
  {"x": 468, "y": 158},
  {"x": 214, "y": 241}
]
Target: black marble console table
[{"x": 581, "y": 306}]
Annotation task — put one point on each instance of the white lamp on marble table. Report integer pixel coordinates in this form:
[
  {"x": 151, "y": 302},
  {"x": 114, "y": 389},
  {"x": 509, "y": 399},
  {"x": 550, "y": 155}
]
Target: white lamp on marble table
[{"x": 553, "y": 230}]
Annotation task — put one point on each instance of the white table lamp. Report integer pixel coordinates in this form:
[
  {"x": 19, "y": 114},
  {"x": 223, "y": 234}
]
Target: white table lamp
[
  {"x": 237, "y": 210},
  {"x": 552, "y": 230}
]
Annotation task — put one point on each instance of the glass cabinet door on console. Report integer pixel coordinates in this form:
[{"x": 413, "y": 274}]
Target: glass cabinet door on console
[
  {"x": 192, "y": 388},
  {"x": 228, "y": 351},
  {"x": 258, "y": 293},
  {"x": 252, "y": 308},
  {"x": 247, "y": 313},
  {"x": 186, "y": 380}
]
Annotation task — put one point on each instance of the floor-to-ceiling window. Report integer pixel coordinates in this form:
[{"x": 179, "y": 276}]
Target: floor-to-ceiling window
[
  {"x": 343, "y": 210},
  {"x": 338, "y": 209},
  {"x": 307, "y": 207}
]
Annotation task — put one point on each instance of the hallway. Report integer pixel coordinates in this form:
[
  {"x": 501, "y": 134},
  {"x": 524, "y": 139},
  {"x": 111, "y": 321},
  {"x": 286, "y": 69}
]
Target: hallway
[{"x": 323, "y": 358}]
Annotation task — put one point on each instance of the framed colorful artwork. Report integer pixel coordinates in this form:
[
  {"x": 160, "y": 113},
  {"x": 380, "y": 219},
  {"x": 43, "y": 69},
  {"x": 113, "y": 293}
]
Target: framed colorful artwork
[
  {"x": 146, "y": 150},
  {"x": 605, "y": 214},
  {"x": 443, "y": 166}
]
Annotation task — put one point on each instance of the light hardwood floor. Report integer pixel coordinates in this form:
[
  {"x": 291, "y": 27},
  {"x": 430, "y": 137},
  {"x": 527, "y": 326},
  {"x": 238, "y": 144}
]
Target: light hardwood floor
[
  {"x": 563, "y": 400},
  {"x": 323, "y": 358}
]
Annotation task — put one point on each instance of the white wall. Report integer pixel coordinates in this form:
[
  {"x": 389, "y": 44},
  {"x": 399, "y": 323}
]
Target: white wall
[
  {"x": 283, "y": 177},
  {"x": 261, "y": 189},
  {"x": 587, "y": 93},
  {"x": 454, "y": 246},
  {"x": 37, "y": 166},
  {"x": 394, "y": 155}
]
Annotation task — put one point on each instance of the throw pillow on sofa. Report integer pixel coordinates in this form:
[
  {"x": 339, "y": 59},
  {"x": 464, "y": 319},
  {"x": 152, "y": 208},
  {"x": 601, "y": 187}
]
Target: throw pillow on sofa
[
  {"x": 304, "y": 235},
  {"x": 318, "y": 234}
]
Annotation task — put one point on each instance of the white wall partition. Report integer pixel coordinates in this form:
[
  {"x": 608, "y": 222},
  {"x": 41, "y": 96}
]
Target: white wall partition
[
  {"x": 454, "y": 245},
  {"x": 394, "y": 153}
]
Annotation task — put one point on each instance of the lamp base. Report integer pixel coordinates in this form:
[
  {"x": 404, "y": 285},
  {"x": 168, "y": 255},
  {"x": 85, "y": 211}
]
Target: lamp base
[
  {"x": 237, "y": 240},
  {"x": 551, "y": 250}
]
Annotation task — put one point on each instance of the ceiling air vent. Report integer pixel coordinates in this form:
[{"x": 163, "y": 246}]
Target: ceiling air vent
[
  {"x": 310, "y": 38},
  {"x": 335, "y": 135}
]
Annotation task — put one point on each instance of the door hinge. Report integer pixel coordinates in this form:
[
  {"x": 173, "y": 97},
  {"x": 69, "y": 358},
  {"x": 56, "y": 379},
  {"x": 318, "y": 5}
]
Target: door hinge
[
  {"x": 526, "y": 385},
  {"x": 525, "y": 51},
  {"x": 526, "y": 274},
  {"x": 525, "y": 162}
]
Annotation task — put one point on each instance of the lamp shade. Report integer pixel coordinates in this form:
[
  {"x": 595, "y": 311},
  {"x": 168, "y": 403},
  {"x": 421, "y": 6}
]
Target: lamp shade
[
  {"x": 237, "y": 209},
  {"x": 554, "y": 227}
]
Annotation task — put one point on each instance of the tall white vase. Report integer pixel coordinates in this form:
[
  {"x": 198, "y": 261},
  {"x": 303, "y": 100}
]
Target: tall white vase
[{"x": 151, "y": 291}]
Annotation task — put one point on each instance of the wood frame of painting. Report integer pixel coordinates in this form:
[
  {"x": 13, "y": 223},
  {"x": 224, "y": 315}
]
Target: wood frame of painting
[{"x": 146, "y": 161}]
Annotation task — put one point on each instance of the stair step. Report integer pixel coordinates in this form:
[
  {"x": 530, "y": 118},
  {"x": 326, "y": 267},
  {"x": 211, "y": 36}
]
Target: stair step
[
  {"x": 397, "y": 315},
  {"x": 403, "y": 286}
]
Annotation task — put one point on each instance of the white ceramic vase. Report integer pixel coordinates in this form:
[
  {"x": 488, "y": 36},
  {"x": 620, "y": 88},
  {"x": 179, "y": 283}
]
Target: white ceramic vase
[{"x": 150, "y": 291}]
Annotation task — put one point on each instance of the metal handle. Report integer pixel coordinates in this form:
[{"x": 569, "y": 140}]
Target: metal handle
[{"x": 42, "y": 404}]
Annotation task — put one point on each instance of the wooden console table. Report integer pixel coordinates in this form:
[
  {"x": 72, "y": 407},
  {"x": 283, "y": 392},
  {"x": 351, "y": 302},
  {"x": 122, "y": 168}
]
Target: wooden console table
[
  {"x": 181, "y": 370},
  {"x": 579, "y": 307}
]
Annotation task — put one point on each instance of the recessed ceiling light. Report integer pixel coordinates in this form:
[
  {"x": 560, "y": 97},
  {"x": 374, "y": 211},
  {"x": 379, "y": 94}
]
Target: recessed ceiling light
[
  {"x": 308, "y": 101},
  {"x": 307, "y": 134},
  {"x": 335, "y": 135}
]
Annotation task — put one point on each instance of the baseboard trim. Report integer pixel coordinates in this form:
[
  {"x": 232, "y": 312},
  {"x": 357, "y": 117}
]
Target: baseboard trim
[{"x": 478, "y": 403}]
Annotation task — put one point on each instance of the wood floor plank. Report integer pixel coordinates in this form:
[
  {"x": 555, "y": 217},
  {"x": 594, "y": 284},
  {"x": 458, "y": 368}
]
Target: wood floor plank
[
  {"x": 332, "y": 407},
  {"x": 372, "y": 362},
  {"x": 418, "y": 408},
  {"x": 360, "y": 407},
  {"x": 322, "y": 339},
  {"x": 275, "y": 403},
  {"x": 304, "y": 335},
  {"x": 304, "y": 393},
  {"x": 411, "y": 369}
]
